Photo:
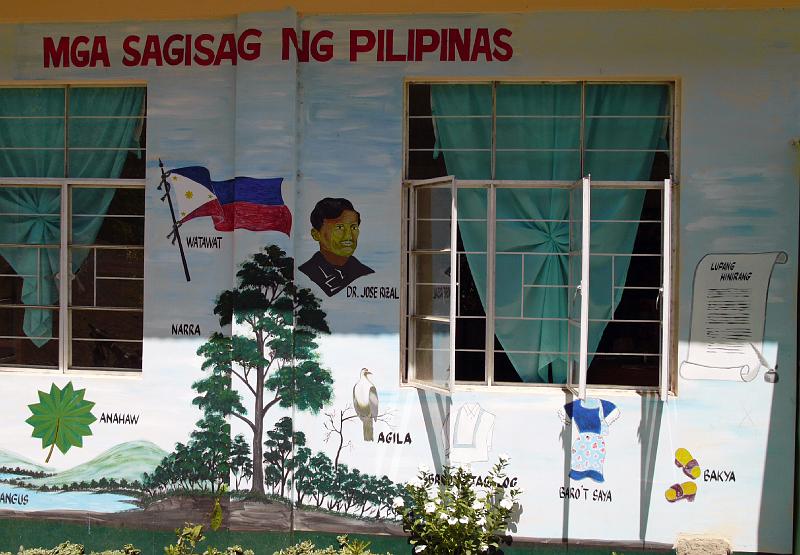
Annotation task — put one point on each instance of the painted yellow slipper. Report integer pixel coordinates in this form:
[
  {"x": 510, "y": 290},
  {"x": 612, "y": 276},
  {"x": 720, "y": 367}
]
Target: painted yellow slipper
[
  {"x": 676, "y": 492},
  {"x": 686, "y": 462}
]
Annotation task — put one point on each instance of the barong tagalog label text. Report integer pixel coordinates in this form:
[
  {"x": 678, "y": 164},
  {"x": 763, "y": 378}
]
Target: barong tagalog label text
[{"x": 470, "y": 44}]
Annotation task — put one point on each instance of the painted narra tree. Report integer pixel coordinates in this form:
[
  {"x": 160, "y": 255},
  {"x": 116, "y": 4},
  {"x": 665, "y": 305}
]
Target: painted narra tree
[{"x": 271, "y": 352}]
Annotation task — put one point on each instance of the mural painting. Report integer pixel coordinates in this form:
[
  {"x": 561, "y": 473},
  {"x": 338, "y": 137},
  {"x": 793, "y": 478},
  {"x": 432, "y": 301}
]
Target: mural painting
[
  {"x": 335, "y": 226},
  {"x": 259, "y": 387},
  {"x": 729, "y": 316},
  {"x": 686, "y": 490},
  {"x": 592, "y": 417}
]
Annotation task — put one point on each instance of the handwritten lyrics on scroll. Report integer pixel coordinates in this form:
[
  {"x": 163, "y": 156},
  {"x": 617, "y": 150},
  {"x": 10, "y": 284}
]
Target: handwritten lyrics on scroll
[{"x": 729, "y": 307}]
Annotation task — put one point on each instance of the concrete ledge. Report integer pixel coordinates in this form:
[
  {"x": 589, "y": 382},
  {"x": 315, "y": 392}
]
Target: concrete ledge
[{"x": 696, "y": 544}]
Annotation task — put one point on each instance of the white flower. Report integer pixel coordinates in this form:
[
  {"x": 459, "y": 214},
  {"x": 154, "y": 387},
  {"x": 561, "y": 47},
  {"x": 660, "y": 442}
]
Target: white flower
[
  {"x": 463, "y": 520},
  {"x": 443, "y": 516},
  {"x": 477, "y": 504},
  {"x": 429, "y": 507},
  {"x": 398, "y": 502},
  {"x": 419, "y": 548},
  {"x": 452, "y": 520},
  {"x": 507, "y": 504},
  {"x": 423, "y": 468},
  {"x": 480, "y": 522},
  {"x": 483, "y": 547},
  {"x": 504, "y": 457},
  {"x": 480, "y": 494}
]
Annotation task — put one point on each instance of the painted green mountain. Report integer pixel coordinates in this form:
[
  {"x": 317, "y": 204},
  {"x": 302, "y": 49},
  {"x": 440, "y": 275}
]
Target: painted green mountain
[
  {"x": 124, "y": 461},
  {"x": 9, "y": 459}
]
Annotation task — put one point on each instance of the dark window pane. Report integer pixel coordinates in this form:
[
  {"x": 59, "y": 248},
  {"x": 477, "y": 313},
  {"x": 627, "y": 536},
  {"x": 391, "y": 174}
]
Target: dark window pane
[
  {"x": 106, "y": 354},
  {"x": 12, "y": 322},
  {"x": 639, "y": 371},
  {"x": 106, "y": 324},
  {"x": 23, "y": 352},
  {"x": 470, "y": 366}
]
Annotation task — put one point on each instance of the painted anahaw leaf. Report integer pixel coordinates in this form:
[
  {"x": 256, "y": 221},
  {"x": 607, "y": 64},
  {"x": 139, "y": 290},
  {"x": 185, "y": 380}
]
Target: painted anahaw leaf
[{"x": 61, "y": 418}]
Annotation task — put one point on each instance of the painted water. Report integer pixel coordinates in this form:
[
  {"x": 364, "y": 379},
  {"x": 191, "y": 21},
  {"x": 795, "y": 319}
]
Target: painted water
[{"x": 17, "y": 498}]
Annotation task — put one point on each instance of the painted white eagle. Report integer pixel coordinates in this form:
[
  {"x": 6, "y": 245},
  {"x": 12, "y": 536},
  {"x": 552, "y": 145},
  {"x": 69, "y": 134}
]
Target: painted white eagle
[{"x": 365, "y": 401}]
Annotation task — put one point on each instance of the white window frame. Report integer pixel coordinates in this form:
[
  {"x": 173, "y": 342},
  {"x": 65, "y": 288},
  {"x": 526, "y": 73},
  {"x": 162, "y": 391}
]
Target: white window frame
[
  {"x": 66, "y": 184},
  {"x": 578, "y": 387}
]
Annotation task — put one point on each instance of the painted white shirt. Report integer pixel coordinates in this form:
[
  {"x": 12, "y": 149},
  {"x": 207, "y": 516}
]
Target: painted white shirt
[{"x": 471, "y": 434}]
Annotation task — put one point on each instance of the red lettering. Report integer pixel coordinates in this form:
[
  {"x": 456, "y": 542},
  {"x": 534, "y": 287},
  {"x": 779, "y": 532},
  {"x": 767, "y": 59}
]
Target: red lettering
[
  {"x": 99, "y": 51},
  {"x": 56, "y": 55},
  {"x": 390, "y": 55},
  {"x": 481, "y": 45},
  {"x": 152, "y": 51},
  {"x": 290, "y": 34},
  {"x": 172, "y": 56},
  {"x": 187, "y": 57},
  {"x": 207, "y": 57},
  {"x": 459, "y": 43},
  {"x": 356, "y": 47},
  {"x": 80, "y": 57},
  {"x": 129, "y": 49},
  {"x": 410, "y": 45},
  {"x": 421, "y": 46},
  {"x": 249, "y": 51},
  {"x": 503, "y": 50},
  {"x": 226, "y": 49},
  {"x": 322, "y": 52},
  {"x": 443, "y": 49},
  {"x": 381, "y": 44}
]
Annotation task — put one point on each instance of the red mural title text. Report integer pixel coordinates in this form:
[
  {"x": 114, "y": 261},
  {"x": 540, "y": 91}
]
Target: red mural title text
[{"x": 204, "y": 49}]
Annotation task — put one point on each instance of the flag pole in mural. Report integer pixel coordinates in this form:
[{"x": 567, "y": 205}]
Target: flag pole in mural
[
  {"x": 175, "y": 234},
  {"x": 254, "y": 204}
]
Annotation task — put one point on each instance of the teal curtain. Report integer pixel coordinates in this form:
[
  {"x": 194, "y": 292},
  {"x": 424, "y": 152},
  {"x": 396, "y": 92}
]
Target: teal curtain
[
  {"x": 32, "y": 145},
  {"x": 538, "y": 138}
]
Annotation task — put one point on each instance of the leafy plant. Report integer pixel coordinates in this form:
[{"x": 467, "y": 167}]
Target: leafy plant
[
  {"x": 68, "y": 548},
  {"x": 191, "y": 535},
  {"x": 452, "y": 516},
  {"x": 346, "y": 547},
  {"x": 188, "y": 538},
  {"x": 61, "y": 418}
]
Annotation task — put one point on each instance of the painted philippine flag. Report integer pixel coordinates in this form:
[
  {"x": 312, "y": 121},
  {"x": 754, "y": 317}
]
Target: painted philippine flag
[{"x": 238, "y": 203}]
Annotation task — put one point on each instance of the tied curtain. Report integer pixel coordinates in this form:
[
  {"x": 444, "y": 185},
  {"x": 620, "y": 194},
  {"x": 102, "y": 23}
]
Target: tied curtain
[
  {"x": 32, "y": 144},
  {"x": 538, "y": 138}
]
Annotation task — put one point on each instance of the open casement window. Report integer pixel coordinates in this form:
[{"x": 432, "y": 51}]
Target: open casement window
[
  {"x": 431, "y": 257},
  {"x": 560, "y": 279},
  {"x": 578, "y": 288}
]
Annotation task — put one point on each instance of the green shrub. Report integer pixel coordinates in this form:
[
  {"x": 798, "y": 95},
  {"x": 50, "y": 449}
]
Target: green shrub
[
  {"x": 191, "y": 535},
  {"x": 68, "y": 548},
  {"x": 346, "y": 547}
]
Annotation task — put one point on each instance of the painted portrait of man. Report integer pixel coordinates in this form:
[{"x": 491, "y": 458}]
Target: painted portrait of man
[{"x": 335, "y": 226}]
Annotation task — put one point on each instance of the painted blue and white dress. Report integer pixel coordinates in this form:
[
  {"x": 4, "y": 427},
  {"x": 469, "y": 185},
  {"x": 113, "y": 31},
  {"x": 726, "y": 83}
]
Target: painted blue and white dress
[{"x": 592, "y": 418}]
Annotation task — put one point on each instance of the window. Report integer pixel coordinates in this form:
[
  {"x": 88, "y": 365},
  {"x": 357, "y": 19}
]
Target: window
[
  {"x": 537, "y": 235},
  {"x": 72, "y": 170}
]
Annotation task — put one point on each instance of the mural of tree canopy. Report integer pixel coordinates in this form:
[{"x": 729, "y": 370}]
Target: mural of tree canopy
[{"x": 271, "y": 352}]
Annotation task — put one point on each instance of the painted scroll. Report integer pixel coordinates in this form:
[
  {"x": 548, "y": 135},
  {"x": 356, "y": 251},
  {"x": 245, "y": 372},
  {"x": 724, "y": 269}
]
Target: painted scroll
[{"x": 728, "y": 315}]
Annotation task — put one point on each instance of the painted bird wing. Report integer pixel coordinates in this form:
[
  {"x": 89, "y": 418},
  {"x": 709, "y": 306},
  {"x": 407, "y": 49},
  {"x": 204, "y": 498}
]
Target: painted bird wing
[
  {"x": 360, "y": 404},
  {"x": 373, "y": 402}
]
